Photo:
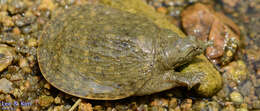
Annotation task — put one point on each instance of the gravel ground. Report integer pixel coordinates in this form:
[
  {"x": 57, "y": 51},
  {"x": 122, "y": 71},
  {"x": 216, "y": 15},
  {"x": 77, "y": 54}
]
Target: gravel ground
[{"x": 23, "y": 88}]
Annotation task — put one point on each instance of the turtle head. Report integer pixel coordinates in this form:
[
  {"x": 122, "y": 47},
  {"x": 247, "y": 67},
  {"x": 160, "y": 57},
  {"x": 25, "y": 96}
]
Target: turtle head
[{"x": 181, "y": 50}]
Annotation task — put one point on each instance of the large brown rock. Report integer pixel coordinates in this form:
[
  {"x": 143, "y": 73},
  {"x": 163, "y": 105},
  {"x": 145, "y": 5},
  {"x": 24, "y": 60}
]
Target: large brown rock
[{"x": 206, "y": 24}]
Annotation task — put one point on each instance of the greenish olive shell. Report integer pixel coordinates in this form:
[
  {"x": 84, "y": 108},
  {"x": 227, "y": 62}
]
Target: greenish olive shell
[
  {"x": 97, "y": 52},
  {"x": 92, "y": 52}
]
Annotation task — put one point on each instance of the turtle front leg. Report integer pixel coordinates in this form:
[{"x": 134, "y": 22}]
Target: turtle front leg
[{"x": 168, "y": 80}]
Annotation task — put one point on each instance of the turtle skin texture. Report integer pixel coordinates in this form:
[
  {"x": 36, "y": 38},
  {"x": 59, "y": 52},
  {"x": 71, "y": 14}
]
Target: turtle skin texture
[{"x": 102, "y": 53}]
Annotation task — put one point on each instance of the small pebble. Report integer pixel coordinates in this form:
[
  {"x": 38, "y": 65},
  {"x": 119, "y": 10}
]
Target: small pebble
[
  {"x": 199, "y": 105},
  {"x": 8, "y": 22},
  {"x": 47, "y": 5},
  {"x": 173, "y": 103},
  {"x": 16, "y": 6},
  {"x": 186, "y": 106},
  {"x": 243, "y": 107},
  {"x": 26, "y": 29},
  {"x": 47, "y": 86},
  {"x": 59, "y": 108},
  {"x": 236, "y": 71},
  {"x": 5, "y": 86},
  {"x": 257, "y": 82},
  {"x": 236, "y": 97},
  {"x": 258, "y": 72},
  {"x": 45, "y": 101},
  {"x": 256, "y": 104},
  {"x": 23, "y": 63},
  {"x": 213, "y": 106},
  {"x": 32, "y": 42},
  {"x": 83, "y": 106},
  {"x": 17, "y": 93},
  {"x": 57, "y": 100},
  {"x": 162, "y": 10},
  {"x": 160, "y": 102},
  {"x": 6, "y": 56},
  {"x": 17, "y": 77},
  {"x": 98, "y": 107},
  {"x": 245, "y": 88},
  {"x": 16, "y": 31},
  {"x": 142, "y": 107},
  {"x": 229, "y": 107}
]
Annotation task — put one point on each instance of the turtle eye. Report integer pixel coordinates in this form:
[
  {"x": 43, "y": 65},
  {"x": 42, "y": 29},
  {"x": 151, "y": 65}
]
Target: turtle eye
[{"x": 197, "y": 48}]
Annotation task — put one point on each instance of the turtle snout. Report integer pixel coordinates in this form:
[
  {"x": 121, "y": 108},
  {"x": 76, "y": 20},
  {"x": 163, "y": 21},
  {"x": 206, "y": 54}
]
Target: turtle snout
[
  {"x": 199, "y": 48},
  {"x": 194, "y": 49}
]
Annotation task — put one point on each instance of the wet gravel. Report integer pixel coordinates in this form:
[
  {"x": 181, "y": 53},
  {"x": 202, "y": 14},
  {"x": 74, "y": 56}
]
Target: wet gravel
[{"x": 23, "y": 88}]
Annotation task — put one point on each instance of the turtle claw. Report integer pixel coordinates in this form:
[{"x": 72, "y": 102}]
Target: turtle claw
[{"x": 189, "y": 79}]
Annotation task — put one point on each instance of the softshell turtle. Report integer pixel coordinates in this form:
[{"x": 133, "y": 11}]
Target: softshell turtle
[{"x": 98, "y": 52}]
